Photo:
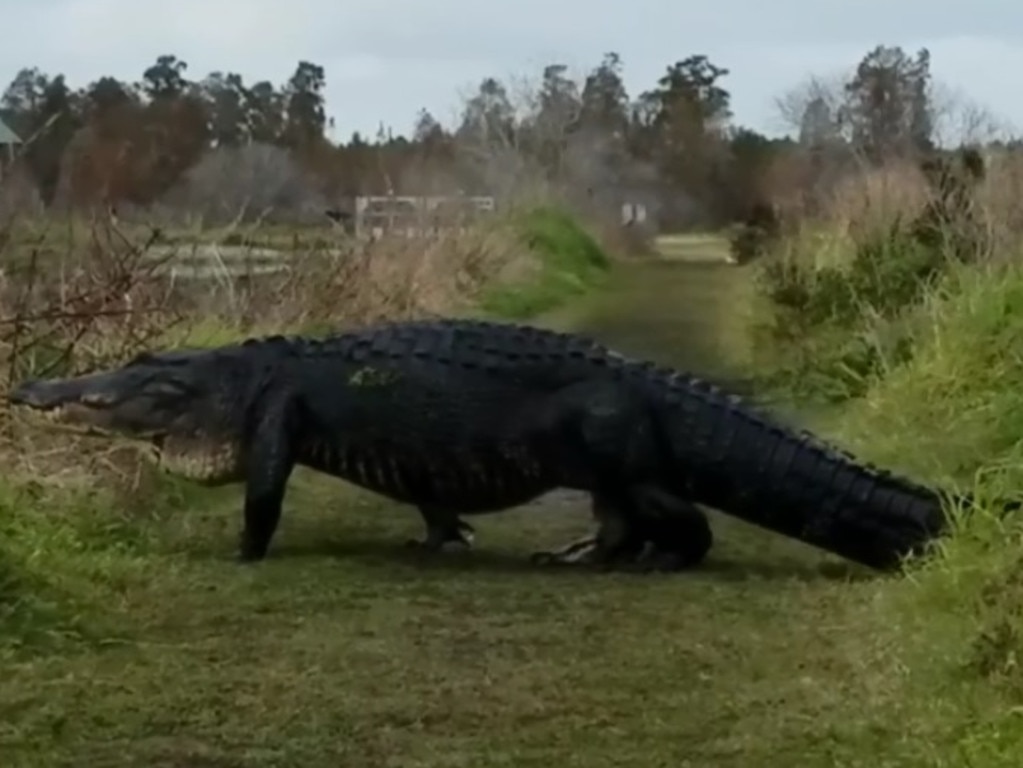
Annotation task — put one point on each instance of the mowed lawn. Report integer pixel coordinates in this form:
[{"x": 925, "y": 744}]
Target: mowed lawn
[
  {"x": 693, "y": 247},
  {"x": 345, "y": 648}
]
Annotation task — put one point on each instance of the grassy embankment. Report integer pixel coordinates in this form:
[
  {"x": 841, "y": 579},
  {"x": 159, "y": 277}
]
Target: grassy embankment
[{"x": 909, "y": 353}]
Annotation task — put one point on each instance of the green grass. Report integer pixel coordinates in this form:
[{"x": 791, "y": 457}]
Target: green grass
[
  {"x": 571, "y": 263},
  {"x": 137, "y": 641},
  {"x": 693, "y": 247},
  {"x": 344, "y": 649}
]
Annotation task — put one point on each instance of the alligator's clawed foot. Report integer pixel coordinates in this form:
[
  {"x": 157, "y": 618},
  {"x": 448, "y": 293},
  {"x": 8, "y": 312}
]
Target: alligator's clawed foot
[
  {"x": 580, "y": 552},
  {"x": 425, "y": 545},
  {"x": 652, "y": 559},
  {"x": 649, "y": 559},
  {"x": 249, "y": 552},
  {"x": 438, "y": 538}
]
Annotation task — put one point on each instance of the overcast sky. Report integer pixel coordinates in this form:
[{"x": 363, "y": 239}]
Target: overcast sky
[{"x": 385, "y": 61}]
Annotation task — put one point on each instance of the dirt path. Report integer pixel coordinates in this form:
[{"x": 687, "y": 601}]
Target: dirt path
[{"x": 344, "y": 649}]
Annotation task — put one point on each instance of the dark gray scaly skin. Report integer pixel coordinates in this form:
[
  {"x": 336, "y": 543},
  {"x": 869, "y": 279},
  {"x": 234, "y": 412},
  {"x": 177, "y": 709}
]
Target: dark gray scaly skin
[{"x": 462, "y": 417}]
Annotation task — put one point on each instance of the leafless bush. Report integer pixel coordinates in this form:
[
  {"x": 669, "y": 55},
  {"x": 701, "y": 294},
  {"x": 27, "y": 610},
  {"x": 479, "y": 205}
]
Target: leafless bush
[
  {"x": 73, "y": 300},
  {"x": 65, "y": 308},
  {"x": 243, "y": 183},
  {"x": 19, "y": 195}
]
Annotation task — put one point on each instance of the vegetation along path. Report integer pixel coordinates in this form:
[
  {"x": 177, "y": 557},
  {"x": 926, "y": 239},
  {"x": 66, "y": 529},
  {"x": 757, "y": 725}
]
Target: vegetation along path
[{"x": 346, "y": 649}]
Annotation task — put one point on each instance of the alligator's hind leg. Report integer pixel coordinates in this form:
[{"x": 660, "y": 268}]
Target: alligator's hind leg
[
  {"x": 677, "y": 532},
  {"x": 612, "y": 442},
  {"x": 442, "y": 527},
  {"x": 616, "y": 540},
  {"x": 656, "y": 531},
  {"x": 570, "y": 553}
]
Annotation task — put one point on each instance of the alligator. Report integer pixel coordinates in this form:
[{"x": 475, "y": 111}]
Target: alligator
[{"x": 465, "y": 417}]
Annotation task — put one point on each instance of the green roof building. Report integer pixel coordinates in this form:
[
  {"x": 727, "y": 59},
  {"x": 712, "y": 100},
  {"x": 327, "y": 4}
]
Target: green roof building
[
  {"x": 8, "y": 143},
  {"x": 8, "y": 138}
]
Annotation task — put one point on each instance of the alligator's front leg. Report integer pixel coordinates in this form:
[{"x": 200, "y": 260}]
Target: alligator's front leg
[
  {"x": 442, "y": 527},
  {"x": 269, "y": 461}
]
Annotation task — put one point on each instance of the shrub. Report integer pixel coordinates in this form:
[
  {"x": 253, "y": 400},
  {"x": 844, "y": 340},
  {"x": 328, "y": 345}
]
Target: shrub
[
  {"x": 833, "y": 322},
  {"x": 756, "y": 236},
  {"x": 568, "y": 262},
  {"x": 954, "y": 415}
]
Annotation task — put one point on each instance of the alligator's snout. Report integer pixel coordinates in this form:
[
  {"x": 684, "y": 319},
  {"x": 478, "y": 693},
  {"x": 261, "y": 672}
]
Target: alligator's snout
[
  {"x": 40, "y": 394},
  {"x": 31, "y": 393}
]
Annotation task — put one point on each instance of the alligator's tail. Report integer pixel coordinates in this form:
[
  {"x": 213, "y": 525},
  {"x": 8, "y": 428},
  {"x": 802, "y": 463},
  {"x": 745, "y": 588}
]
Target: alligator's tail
[{"x": 793, "y": 483}]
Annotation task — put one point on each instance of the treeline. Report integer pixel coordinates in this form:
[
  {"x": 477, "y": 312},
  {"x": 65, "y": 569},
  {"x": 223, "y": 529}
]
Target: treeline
[{"x": 219, "y": 144}]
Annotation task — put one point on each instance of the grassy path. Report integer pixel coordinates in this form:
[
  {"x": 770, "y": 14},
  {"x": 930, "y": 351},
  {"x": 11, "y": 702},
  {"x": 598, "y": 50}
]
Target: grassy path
[{"x": 344, "y": 649}]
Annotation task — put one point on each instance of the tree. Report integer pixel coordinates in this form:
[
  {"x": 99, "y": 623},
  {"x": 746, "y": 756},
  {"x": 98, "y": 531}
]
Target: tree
[
  {"x": 427, "y": 130},
  {"x": 57, "y": 123},
  {"x": 751, "y": 156},
  {"x": 604, "y": 99},
  {"x": 44, "y": 112},
  {"x": 305, "y": 116},
  {"x": 430, "y": 140},
  {"x": 680, "y": 125},
  {"x": 100, "y": 163},
  {"x": 488, "y": 118},
  {"x": 556, "y": 115},
  {"x": 165, "y": 79},
  {"x": 23, "y": 99},
  {"x": 264, "y": 112},
  {"x": 597, "y": 162},
  {"x": 225, "y": 98},
  {"x": 818, "y": 126},
  {"x": 689, "y": 94},
  {"x": 106, "y": 96},
  {"x": 813, "y": 108},
  {"x": 887, "y": 103}
]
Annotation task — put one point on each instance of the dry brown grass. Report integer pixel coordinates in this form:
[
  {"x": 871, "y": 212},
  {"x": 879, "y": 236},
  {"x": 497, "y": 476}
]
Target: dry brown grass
[
  {"x": 75, "y": 296},
  {"x": 1000, "y": 203},
  {"x": 824, "y": 227}
]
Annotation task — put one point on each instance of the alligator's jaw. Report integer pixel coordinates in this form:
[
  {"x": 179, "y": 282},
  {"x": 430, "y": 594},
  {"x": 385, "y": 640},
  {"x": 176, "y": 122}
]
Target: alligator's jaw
[
  {"x": 202, "y": 459},
  {"x": 78, "y": 419}
]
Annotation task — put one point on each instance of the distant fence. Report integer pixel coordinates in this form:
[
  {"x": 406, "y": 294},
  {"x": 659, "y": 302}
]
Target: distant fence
[
  {"x": 417, "y": 216},
  {"x": 217, "y": 262},
  {"x": 391, "y": 215}
]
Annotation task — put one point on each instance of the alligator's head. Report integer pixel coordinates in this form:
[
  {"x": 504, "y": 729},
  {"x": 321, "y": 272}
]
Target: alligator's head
[{"x": 190, "y": 405}]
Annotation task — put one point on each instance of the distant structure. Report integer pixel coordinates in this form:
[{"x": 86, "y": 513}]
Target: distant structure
[
  {"x": 417, "y": 216},
  {"x": 9, "y": 142},
  {"x": 633, "y": 213}
]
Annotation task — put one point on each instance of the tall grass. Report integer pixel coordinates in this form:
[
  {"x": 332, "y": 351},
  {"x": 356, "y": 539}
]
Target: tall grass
[
  {"x": 916, "y": 344},
  {"x": 838, "y": 289},
  {"x": 567, "y": 262}
]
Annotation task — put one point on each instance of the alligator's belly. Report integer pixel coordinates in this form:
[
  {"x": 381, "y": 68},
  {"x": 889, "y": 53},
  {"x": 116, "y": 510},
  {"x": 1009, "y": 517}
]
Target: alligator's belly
[{"x": 466, "y": 483}]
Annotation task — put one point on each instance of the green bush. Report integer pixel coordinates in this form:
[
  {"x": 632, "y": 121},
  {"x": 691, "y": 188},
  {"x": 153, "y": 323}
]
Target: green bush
[
  {"x": 755, "y": 236},
  {"x": 953, "y": 414},
  {"x": 571, "y": 263},
  {"x": 834, "y": 329}
]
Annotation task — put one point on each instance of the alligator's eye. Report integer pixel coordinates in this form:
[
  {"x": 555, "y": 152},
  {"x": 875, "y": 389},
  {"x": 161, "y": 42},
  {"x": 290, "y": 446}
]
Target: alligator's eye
[
  {"x": 165, "y": 389},
  {"x": 96, "y": 398}
]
